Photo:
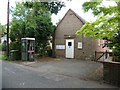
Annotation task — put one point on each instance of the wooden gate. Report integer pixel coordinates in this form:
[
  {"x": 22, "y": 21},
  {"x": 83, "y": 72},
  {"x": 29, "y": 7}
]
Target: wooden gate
[{"x": 99, "y": 55}]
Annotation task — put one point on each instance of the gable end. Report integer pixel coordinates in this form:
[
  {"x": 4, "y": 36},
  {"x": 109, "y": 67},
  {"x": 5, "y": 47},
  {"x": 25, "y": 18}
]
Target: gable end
[{"x": 80, "y": 18}]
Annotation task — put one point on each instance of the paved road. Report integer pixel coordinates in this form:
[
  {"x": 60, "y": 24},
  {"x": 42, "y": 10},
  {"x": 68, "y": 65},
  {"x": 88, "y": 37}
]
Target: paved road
[{"x": 20, "y": 76}]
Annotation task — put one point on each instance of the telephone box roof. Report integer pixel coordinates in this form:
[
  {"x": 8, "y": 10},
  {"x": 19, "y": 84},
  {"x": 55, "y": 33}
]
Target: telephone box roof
[{"x": 27, "y": 38}]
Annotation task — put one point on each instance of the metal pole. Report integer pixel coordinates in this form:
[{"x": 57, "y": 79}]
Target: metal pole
[{"x": 8, "y": 29}]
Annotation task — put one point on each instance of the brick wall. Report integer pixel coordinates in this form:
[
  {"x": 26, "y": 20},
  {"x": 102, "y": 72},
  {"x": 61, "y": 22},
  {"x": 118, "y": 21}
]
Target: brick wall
[{"x": 68, "y": 26}]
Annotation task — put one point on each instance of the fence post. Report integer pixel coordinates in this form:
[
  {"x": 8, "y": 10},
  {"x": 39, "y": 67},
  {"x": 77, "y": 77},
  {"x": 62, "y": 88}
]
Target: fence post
[{"x": 106, "y": 54}]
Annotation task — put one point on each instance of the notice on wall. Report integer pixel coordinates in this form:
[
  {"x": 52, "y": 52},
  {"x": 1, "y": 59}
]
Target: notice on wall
[
  {"x": 80, "y": 45},
  {"x": 60, "y": 46}
]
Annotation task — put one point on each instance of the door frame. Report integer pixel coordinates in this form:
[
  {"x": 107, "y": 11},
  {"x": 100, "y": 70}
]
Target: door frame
[{"x": 73, "y": 45}]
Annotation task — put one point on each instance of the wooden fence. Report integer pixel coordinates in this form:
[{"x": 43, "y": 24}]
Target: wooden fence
[
  {"x": 99, "y": 55},
  {"x": 111, "y": 72}
]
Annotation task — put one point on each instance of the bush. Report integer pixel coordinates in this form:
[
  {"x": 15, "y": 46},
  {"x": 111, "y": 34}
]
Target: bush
[
  {"x": 115, "y": 46},
  {"x": 2, "y": 47},
  {"x": 41, "y": 53},
  {"x": 49, "y": 52},
  {"x": 17, "y": 54},
  {"x": 116, "y": 52},
  {"x": 3, "y": 57},
  {"x": 15, "y": 45},
  {"x": 44, "y": 52}
]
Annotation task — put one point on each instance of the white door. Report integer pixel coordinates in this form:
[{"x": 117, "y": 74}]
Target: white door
[{"x": 69, "y": 48}]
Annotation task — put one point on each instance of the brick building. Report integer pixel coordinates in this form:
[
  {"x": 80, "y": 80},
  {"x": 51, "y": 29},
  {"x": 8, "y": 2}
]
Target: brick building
[{"x": 69, "y": 45}]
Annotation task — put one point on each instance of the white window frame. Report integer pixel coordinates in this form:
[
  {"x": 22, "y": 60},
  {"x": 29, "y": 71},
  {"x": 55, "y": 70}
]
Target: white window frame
[
  {"x": 79, "y": 45},
  {"x": 99, "y": 42}
]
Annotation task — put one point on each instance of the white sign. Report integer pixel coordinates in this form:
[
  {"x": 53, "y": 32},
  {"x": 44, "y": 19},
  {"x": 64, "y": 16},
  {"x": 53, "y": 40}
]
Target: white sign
[
  {"x": 80, "y": 45},
  {"x": 60, "y": 46}
]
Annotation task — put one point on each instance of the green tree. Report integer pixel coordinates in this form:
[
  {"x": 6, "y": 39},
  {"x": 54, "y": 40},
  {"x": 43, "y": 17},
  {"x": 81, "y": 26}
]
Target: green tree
[
  {"x": 2, "y": 30},
  {"x": 106, "y": 25},
  {"x": 33, "y": 19}
]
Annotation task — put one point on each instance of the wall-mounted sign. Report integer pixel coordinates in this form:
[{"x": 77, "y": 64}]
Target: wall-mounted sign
[
  {"x": 60, "y": 46},
  {"x": 80, "y": 45}
]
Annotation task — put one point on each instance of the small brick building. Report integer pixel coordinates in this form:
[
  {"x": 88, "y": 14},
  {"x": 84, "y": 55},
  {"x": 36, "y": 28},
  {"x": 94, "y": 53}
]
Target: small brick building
[{"x": 69, "y": 45}]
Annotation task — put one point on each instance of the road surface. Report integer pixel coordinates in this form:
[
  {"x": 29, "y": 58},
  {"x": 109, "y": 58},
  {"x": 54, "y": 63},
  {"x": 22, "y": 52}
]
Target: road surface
[{"x": 20, "y": 76}]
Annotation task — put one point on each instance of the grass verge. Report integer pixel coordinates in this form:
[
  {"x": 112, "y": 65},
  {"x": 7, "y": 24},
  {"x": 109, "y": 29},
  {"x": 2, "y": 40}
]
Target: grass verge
[{"x": 3, "y": 56}]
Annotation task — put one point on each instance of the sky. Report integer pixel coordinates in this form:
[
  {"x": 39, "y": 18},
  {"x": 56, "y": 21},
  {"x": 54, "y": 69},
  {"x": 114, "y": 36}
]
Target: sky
[{"x": 75, "y": 5}]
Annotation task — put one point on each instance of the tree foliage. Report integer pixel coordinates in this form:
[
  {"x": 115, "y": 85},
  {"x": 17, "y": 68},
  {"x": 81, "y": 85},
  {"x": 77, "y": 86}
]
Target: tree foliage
[
  {"x": 105, "y": 26},
  {"x": 115, "y": 46},
  {"x": 2, "y": 30},
  {"x": 33, "y": 19}
]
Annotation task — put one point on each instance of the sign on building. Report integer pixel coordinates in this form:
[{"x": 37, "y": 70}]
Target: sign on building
[
  {"x": 80, "y": 45},
  {"x": 60, "y": 46}
]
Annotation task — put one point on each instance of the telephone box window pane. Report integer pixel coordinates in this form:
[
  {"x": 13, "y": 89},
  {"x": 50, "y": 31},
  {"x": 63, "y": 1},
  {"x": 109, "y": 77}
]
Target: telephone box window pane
[
  {"x": 23, "y": 46},
  {"x": 69, "y": 43}
]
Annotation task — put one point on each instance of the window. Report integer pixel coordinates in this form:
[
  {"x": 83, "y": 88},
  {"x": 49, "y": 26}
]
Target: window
[
  {"x": 69, "y": 43},
  {"x": 80, "y": 45},
  {"x": 23, "y": 46},
  {"x": 98, "y": 42}
]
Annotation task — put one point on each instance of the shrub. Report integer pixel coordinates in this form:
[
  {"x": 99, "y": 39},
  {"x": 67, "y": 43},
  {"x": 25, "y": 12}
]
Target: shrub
[
  {"x": 16, "y": 46},
  {"x": 49, "y": 52},
  {"x": 3, "y": 57},
  {"x": 115, "y": 46},
  {"x": 2, "y": 47}
]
